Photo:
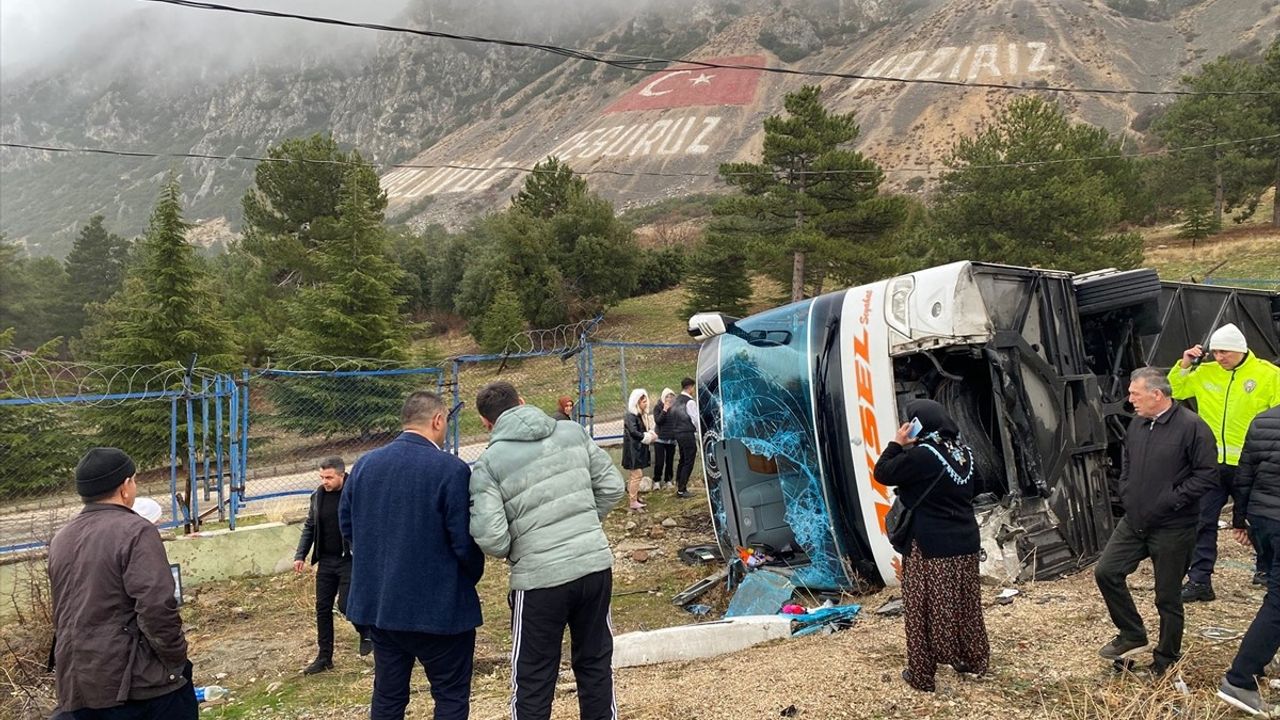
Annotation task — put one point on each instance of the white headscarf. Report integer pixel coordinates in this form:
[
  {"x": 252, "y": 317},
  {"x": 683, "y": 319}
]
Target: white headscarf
[{"x": 633, "y": 403}]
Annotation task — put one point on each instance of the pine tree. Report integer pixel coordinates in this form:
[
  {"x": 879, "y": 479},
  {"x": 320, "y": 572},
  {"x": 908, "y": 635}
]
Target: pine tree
[
  {"x": 1054, "y": 214},
  {"x": 289, "y": 213},
  {"x": 1234, "y": 174},
  {"x": 502, "y": 320},
  {"x": 1199, "y": 223},
  {"x": 550, "y": 189},
  {"x": 717, "y": 280},
  {"x": 351, "y": 311},
  {"x": 95, "y": 269},
  {"x": 165, "y": 314},
  {"x": 811, "y": 208}
]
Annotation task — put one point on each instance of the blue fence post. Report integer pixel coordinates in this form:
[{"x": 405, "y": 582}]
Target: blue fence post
[
  {"x": 591, "y": 388},
  {"x": 173, "y": 459},
  {"x": 244, "y": 435},
  {"x": 204, "y": 436},
  {"x": 218, "y": 393},
  {"x": 622, "y": 372},
  {"x": 193, "y": 483},
  {"x": 233, "y": 448}
]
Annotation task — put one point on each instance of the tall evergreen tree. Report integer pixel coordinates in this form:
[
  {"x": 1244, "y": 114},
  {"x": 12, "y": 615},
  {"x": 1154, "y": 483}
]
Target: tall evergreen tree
[
  {"x": 352, "y": 311},
  {"x": 32, "y": 292},
  {"x": 717, "y": 279},
  {"x": 1233, "y": 174},
  {"x": 990, "y": 206},
  {"x": 550, "y": 189},
  {"x": 811, "y": 209},
  {"x": 95, "y": 270},
  {"x": 166, "y": 312},
  {"x": 289, "y": 213},
  {"x": 502, "y": 320}
]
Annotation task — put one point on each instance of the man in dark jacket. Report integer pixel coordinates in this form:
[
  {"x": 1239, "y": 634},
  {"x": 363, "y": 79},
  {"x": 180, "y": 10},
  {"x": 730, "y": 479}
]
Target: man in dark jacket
[
  {"x": 683, "y": 416},
  {"x": 120, "y": 651},
  {"x": 1170, "y": 460},
  {"x": 1258, "y": 509},
  {"x": 331, "y": 556},
  {"x": 414, "y": 564}
]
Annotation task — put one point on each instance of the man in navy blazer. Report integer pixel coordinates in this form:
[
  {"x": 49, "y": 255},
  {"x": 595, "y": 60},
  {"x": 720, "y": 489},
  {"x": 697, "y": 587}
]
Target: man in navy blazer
[{"x": 414, "y": 564}]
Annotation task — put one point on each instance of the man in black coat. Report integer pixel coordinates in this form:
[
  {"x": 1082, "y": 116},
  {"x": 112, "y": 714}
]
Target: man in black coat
[
  {"x": 1170, "y": 460},
  {"x": 1258, "y": 509},
  {"x": 331, "y": 555}
]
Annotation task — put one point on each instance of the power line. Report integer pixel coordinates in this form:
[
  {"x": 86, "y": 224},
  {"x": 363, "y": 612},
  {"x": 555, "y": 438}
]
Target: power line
[
  {"x": 651, "y": 64},
  {"x": 623, "y": 173}
]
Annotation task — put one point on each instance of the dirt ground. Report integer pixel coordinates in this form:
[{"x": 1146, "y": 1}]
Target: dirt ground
[{"x": 254, "y": 636}]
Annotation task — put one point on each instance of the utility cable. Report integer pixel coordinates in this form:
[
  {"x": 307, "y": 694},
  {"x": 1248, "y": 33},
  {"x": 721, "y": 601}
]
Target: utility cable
[
  {"x": 625, "y": 173},
  {"x": 651, "y": 64}
]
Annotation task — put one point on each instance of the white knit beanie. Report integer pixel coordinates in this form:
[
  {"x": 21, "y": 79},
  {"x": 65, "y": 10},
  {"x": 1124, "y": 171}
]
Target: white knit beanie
[{"x": 1228, "y": 337}]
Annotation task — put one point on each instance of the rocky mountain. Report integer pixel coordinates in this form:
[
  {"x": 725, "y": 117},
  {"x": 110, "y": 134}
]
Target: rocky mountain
[{"x": 467, "y": 117}]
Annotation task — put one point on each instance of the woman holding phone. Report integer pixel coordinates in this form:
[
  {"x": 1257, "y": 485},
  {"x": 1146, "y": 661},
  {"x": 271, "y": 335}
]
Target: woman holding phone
[{"x": 941, "y": 595}]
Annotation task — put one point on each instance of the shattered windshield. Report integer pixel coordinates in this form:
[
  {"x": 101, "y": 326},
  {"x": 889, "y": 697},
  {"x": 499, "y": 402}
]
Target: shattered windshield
[{"x": 767, "y": 402}]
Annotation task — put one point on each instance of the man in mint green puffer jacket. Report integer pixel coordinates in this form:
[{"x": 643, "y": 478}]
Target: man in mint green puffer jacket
[{"x": 538, "y": 494}]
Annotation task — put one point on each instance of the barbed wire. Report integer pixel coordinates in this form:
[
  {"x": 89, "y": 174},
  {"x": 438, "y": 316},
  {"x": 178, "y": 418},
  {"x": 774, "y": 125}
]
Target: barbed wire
[
  {"x": 332, "y": 363},
  {"x": 557, "y": 340},
  {"x": 40, "y": 380},
  {"x": 644, "y": 63}
]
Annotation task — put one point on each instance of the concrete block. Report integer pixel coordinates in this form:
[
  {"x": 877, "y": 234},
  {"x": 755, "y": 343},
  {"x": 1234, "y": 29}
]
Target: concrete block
[
  {"x": 255, "y": 550},
  {"x": 692, "y": 642}
]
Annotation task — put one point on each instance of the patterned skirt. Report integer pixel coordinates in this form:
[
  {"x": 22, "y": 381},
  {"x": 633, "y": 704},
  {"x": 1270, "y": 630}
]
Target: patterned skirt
[{"x": 942, "y": 605}]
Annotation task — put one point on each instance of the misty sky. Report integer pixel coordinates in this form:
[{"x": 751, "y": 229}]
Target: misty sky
[{"x": 34, "y": 32}]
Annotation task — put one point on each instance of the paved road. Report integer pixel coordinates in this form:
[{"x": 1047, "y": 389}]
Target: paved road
[{"x": 23, "y": 524}]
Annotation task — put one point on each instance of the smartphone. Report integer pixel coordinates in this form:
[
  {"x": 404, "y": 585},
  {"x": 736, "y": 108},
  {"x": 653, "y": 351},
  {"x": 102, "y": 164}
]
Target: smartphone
[{"x": 915, "y": 428}]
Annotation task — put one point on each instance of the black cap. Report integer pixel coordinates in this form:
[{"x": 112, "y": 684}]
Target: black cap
[{"x": 102, "y": 470}]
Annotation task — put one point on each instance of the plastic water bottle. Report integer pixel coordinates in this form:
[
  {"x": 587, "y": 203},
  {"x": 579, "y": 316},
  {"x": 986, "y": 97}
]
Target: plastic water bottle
[{"x": 209, "y": 693}]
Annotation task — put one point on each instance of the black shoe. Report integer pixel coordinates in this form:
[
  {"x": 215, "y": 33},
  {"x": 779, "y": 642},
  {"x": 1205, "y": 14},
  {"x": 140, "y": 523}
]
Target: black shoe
[
  {"x": 1259, "y": 578},
  {"x": 366, "y": 646},
  {"x": 1118, "y": 648},
  {"x": 318, "y": 665},
  {"x": 683, "y": 494},
  {"x": 1197, "y": 592}
]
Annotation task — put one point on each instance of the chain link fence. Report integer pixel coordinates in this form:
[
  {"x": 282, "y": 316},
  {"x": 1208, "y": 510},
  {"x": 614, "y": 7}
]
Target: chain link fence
[
  {"x": 210, "y": 446},
  {"x": 309, "y": 409},
  {"x": 175, "y": 422}
]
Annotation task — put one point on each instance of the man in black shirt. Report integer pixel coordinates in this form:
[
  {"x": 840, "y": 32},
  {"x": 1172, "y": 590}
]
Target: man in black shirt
[
  {"x": 1170, "y": 460},
  {"x": 332, "y": 558}
]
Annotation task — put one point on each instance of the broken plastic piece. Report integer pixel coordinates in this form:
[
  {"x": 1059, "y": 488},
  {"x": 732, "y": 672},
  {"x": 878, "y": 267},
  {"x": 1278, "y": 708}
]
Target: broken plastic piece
[
  {"x": 1221, "y": 633},
  {"x": 892, "y": 608},
  {"x": 793, "y": 610},
  {"x": 761, "y": 593},
  {"x": 1006, "y": 596}
]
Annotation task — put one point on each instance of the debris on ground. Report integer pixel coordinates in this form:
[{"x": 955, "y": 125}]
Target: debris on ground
[
  {"x": 669, "y": 523},
  {"x": 891, "y": 608},
  {"x": 825, "y": 620},
  {"x": 761, "y": 593},
  {"x": 1006, "y": 596},
  {"x": 700, "y": 588},
  {"x": 700, "y": 554}
]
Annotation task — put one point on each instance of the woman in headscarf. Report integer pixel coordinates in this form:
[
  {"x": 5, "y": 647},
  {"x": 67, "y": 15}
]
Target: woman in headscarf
[
  {"x": 637, "y": 435},
  {"x": 941, "y": 595}
]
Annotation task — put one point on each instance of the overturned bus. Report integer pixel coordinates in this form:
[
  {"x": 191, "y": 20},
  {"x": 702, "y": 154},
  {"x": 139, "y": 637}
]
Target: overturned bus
[{"x": 797, "y": 402}]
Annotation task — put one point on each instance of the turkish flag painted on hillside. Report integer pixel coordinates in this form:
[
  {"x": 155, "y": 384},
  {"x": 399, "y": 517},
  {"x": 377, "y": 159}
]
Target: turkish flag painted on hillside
[{"x": 687, "y": 86}]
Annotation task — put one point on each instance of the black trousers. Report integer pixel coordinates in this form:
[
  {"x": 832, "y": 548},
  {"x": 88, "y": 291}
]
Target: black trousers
[
  {"x": 688, "y": 445},
  {"x": 1211, "y": 504},
  {"x": 1262, "y": 639},
  {"x": 538, "y": 620},
  {"x": 664, "y": 457},
  {"x": 177, "y": 705},
  {"x": 447, "y": 660},
  {"x": 333, "y": 579},
  {"x": 1170, "y": 552}
]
